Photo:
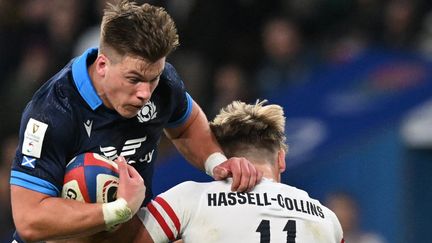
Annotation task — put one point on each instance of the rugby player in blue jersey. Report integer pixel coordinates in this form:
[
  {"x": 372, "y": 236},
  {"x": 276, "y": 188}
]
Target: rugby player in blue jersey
[{"x": 117, "y": 101}]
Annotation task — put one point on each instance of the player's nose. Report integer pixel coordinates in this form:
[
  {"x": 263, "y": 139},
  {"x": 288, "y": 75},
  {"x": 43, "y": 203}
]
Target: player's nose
[{"x": 143, "y": 91}]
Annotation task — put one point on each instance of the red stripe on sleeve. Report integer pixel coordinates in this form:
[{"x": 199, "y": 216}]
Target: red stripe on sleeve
[
  {"x": 161, "y": 221},
  {"x": 342, "y": 241},
  {"x": 169, "y": 211}
]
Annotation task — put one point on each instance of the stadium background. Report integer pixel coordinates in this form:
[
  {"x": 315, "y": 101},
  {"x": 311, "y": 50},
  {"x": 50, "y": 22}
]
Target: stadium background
[{"x": 354, "y": 78}]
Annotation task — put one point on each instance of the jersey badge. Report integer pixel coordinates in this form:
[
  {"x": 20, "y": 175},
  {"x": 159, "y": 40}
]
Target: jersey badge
[
  {"x": 33, "y": 138},
  {"x": 147, "y": 113}
]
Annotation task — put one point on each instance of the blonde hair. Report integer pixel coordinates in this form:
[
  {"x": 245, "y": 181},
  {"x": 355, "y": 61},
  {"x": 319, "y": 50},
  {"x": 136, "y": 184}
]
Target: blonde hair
[
  {"x": 241, "y": 127},
  {"x": 144, "y": 31}
]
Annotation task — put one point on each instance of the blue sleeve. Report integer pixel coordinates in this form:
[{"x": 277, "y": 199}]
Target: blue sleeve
[
  {"x": 43, "y": 172},
  {"x": 182, "y": 101},
  {"x": 186, "y": 111},
  {"x": 33, "y": 183}
]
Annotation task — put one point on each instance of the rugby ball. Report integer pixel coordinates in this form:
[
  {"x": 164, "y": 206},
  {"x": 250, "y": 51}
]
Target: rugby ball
[{"x": 91, "y": 178}]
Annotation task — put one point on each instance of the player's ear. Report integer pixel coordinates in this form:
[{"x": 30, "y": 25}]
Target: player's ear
[
  {"x": 101, "y": 64},
  {"x": 281, "y": 160}
]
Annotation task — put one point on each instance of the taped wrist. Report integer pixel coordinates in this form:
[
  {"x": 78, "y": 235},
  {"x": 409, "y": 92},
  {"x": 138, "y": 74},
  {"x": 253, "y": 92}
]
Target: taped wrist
[
  {"x": 212, "y": 161},
  {"x": 115, "y": 213}
]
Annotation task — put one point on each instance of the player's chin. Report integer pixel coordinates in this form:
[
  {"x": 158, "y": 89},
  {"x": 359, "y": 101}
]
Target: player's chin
[{"x": 128, "y": 111}]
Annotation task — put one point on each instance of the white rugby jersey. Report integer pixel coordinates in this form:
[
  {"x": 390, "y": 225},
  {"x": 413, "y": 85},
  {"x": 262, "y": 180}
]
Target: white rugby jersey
[{"x": 211, "y": 212}]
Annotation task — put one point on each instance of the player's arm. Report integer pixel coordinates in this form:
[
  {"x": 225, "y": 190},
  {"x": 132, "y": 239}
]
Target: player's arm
[
  {"x": 197, "y": 144},
  {"x": 194, "y": 138},
  {"x": 39, "y": 216}
]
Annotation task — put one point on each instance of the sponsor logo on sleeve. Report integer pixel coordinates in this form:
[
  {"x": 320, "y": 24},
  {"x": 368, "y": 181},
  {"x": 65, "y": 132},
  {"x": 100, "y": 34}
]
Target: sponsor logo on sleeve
[{"x": 33, "y": 138}]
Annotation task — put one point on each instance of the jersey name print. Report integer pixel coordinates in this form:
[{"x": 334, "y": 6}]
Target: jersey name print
[
  {"x": 263, "y": 199},
  {"x": 210, "y": 212}
]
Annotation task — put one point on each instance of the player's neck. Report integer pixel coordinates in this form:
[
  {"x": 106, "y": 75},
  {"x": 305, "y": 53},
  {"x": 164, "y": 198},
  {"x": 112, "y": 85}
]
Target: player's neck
[{"x": 268, "y": 172}]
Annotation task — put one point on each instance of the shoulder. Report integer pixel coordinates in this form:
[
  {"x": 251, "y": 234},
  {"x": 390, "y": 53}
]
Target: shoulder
[
  {"x": 190, "y": 187},
  {"x": 53, "y": 104},
  {"x": 50, "y": 106},
  {"x": 56, "y": 95},
  {"x": 170, "y": 72},
  {"x": 295, "y": 191},
  {"x": 171, "y": 77},
  {"x": 192, "y": 190}
]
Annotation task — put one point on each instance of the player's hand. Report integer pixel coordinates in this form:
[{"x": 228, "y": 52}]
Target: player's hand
[
  {"x": 131, "y": 185},
  {"x": 245, "y": 175}
]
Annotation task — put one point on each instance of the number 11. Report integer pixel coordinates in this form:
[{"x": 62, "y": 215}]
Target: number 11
[{"x": 264, "y": 230}]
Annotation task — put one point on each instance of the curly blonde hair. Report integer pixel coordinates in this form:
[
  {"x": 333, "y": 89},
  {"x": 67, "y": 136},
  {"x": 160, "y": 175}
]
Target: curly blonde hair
[{"x": 241, "y": 128}]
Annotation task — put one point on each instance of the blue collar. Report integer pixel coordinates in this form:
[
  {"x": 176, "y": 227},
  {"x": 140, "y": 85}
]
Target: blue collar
[{"x": 82, "y": 79}]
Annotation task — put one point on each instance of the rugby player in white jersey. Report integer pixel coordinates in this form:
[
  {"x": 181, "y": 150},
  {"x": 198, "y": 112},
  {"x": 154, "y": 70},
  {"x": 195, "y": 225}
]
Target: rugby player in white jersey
[{"x": 271, "y": 212}]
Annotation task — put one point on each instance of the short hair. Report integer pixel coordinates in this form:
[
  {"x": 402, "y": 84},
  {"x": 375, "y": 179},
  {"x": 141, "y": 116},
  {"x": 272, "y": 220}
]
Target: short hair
[
  {"x": 241, "y": 127},
  {"x": 144, "y": 31}
]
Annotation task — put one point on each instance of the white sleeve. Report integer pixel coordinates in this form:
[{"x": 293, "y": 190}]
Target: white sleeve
[
  {"x": 165, "y": 216},
  {"x": 337, "y": 228}
]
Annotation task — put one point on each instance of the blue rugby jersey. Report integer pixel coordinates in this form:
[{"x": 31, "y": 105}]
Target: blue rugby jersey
[{"x": 66, "y": 117}]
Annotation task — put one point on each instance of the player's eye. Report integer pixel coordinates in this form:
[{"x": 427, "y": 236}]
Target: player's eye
[{"x": 134, "y": 80}]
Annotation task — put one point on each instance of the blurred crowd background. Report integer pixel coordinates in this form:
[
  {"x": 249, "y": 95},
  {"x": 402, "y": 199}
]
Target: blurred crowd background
[{"x": 375, "y": 178}]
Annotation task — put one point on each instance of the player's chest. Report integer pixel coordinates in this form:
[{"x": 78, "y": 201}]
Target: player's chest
[{"x": 136, "y": 139}]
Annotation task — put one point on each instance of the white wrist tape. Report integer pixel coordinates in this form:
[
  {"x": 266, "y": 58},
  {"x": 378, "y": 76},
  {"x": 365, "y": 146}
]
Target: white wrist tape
[
  {"x": 116, "y": 212},
  {"x": 212, "y": 161}
]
